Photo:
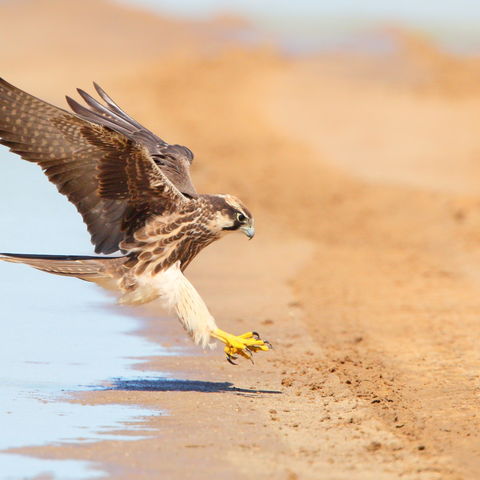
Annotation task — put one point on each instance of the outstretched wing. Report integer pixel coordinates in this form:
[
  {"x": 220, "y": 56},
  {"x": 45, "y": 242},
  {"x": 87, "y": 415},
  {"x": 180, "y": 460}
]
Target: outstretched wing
[
  {"x": 127, "y": 172},
  {"x": 110, "y": 178},
  {"x": 173, "y": 160}
]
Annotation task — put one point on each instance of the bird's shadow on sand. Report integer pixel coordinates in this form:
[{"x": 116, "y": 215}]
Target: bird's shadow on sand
[{"x": 176, "y": 385}]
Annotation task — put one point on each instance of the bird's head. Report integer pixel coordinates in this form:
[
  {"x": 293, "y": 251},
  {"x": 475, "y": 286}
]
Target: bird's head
[{"x": 231, "y": 215}]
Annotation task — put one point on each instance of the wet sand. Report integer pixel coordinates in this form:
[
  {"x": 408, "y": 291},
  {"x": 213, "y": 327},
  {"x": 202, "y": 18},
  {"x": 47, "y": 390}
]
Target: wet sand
[{"x": 362, "y": 173}]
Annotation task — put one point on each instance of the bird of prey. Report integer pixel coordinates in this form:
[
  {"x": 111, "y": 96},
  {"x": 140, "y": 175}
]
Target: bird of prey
[{"x": 136, "y": 196}]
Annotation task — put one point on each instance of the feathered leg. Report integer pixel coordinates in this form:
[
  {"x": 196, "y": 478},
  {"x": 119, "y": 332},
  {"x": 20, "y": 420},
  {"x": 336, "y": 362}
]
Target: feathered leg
[{"x": 192, "y": 312}]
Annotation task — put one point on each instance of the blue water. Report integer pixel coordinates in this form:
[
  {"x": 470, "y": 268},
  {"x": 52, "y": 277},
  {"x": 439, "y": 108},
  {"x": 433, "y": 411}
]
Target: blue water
[
  {"x": 51, "y": 469},
  {"x": 59, "y": 335}
]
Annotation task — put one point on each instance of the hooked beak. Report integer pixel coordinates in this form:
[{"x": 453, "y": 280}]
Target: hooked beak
[{"x": 248, "y": 230}]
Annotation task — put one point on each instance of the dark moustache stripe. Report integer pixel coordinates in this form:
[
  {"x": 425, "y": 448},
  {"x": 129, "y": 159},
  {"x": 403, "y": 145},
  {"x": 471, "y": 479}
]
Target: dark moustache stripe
[{"x": 235, "y": 226}]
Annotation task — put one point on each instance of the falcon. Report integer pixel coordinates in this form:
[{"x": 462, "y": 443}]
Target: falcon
[{"x": 135, "y": 195}]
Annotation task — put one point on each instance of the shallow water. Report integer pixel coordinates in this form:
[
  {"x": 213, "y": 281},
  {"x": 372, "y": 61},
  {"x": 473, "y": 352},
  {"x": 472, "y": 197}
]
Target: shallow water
[
  {"x": 59, "y": 335},
  {"x": 61, "y": 469}
]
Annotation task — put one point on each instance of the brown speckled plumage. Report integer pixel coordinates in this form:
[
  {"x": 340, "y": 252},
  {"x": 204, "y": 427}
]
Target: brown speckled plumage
[
  {"x": 135, "y": 195},
  {"x": 132, "y": 189}
]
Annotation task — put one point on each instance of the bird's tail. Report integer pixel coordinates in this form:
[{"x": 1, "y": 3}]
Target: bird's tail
[{"x": 101, "y": 270}]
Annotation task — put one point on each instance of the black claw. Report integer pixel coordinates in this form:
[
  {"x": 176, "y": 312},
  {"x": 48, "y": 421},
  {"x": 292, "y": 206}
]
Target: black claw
[
  {"x": 230, "y": 360},
  {"x": 255, "y": 335},
  {"x": 268, "y": 344},
  {"x": 249, "y": 354}
]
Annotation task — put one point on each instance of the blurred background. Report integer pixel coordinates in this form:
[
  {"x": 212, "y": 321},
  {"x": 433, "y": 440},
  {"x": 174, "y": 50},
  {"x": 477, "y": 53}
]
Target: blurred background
[
  {"x": 351, "y": 125},
  {"x": 386, "y": 92},
  {"x": 308, "y": 25}
]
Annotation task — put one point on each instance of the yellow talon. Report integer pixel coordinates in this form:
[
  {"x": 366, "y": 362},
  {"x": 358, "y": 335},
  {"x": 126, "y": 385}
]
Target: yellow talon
[{"x": 244, "y": 345}]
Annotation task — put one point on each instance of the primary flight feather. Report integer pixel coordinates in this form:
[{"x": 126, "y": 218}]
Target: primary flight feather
[{"x": 135, "y": 194}]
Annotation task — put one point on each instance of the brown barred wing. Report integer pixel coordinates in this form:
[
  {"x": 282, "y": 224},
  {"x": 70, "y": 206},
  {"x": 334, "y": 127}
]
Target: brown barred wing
[
  {"x": 127, "y": 172},
  {"x": 173, "y": 160},
  {"x": 110, "y": 178},
  {"x": 51, "y": 137}
]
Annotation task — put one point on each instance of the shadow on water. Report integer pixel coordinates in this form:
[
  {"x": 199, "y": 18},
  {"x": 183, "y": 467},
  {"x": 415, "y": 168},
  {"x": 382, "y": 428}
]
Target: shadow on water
[{"x": 176, "y": 385}]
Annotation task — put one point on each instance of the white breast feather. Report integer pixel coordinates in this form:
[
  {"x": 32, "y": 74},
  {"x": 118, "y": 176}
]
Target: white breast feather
[{"x": 179, "y": 296}]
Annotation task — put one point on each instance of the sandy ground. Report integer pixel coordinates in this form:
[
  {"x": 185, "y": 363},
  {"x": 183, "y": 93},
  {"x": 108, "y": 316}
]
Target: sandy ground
[{"x": 364, "y": 274}]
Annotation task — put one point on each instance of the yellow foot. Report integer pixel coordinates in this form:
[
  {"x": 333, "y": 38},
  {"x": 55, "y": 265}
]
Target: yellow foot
[{"x": 245, "y": 345}]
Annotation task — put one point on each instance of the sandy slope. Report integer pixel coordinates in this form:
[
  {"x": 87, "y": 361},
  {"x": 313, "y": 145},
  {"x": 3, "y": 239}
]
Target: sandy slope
[{"x": 364, "y": 274}]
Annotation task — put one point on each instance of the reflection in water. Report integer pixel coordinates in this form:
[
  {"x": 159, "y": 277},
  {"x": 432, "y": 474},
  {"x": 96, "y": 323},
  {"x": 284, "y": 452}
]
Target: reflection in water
[
  {"x": 58, "y": 336},
  {"x": 61, "y": 469}
]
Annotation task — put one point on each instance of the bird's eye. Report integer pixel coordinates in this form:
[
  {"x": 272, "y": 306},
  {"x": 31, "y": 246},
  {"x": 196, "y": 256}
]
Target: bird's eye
[
  {"x": 241, "y": 217},
  {"x": 159, "y": 160}
]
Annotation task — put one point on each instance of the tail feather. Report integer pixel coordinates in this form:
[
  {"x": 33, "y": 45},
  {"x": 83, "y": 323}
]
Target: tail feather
[{"x": 93, "y": 269}]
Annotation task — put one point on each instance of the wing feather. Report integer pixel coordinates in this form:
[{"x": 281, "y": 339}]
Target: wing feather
[
  {"x": 107, "y": 175},
  {"x": 116, "y": 109},
  {"x": 173, "y": 160}
]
